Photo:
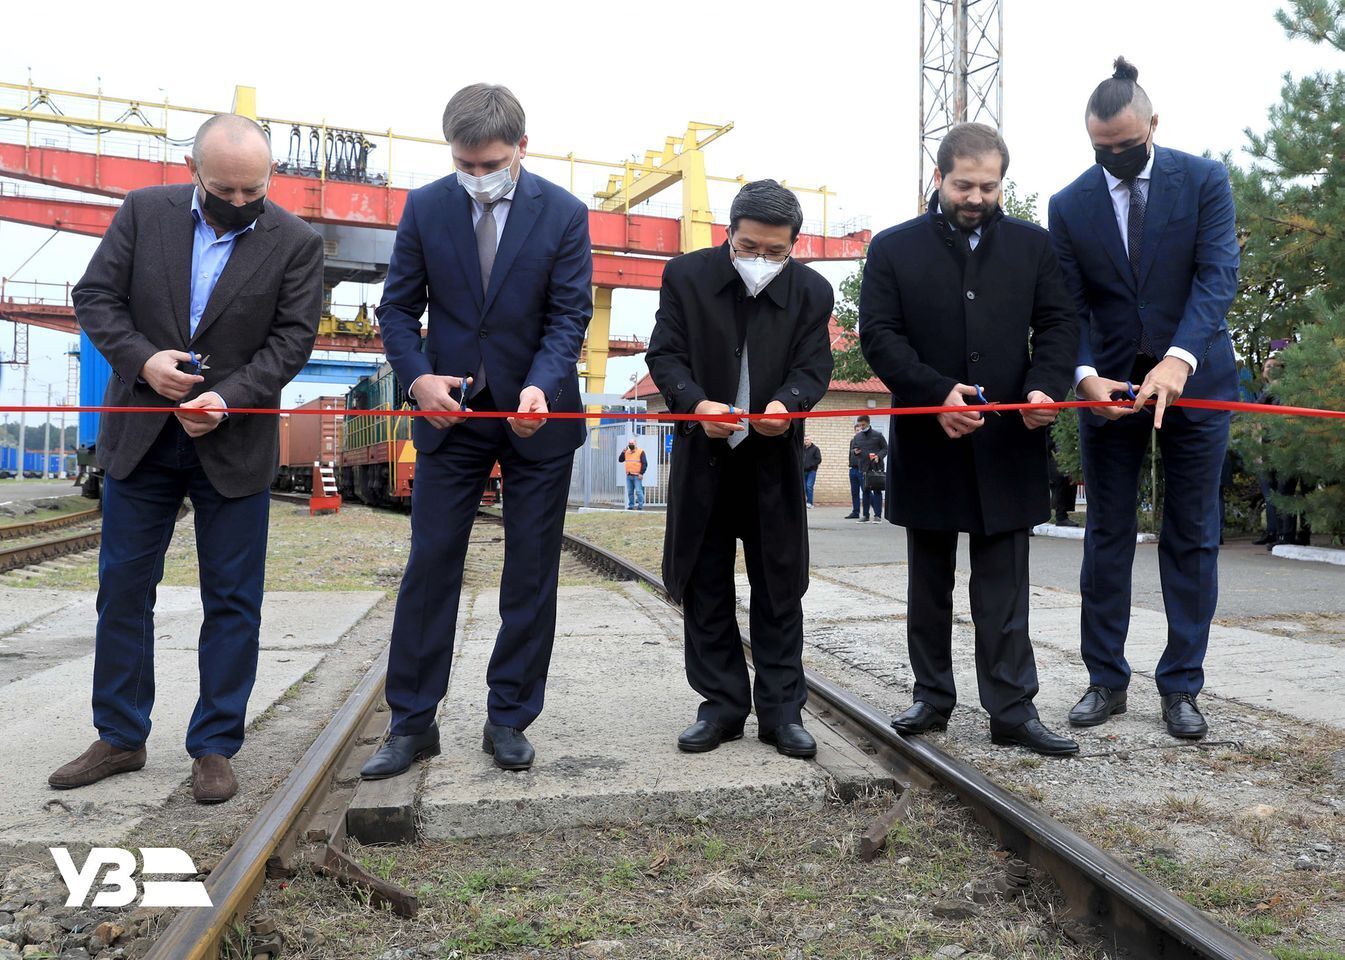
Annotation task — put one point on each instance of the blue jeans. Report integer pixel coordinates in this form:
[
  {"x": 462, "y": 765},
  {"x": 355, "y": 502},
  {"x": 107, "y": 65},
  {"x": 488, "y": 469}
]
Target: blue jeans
[
  {"x": 809, "y": 481},
  {"x": 634, "y": 492},
  {"x": 856, "y": 489},
  {"x": 873, "y": 499},
  {"x": 139, "y": 513}
]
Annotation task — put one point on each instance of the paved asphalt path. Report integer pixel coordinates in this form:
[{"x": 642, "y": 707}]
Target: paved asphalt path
[{"x": 1252, "y": 583}]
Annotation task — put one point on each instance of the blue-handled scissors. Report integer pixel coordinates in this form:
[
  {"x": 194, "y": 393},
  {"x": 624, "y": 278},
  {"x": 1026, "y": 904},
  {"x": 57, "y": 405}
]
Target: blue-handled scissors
[
  {"x": 980, "y": 395},
  {"x": 196, "y": 364},
  {"x": 1130, "y": 391}
]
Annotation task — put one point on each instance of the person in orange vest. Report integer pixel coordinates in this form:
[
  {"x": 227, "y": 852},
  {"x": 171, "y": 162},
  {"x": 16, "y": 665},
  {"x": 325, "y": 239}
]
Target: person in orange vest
[{"x": 636, "y": 464}]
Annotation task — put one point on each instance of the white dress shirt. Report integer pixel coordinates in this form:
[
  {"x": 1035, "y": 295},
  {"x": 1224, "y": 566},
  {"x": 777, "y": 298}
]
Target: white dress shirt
[{"x": 1120, "y": 202}]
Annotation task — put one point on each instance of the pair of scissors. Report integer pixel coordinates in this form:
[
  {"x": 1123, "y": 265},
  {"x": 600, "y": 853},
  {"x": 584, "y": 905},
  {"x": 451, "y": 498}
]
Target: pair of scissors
[
  {"x": 1130, "y": 392},
  {"x": 980, "y": 395},
  {"x": 196, "y": 364}
]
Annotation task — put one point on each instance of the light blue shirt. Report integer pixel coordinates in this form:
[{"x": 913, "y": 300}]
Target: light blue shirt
[{"x": 209, "y": 254}]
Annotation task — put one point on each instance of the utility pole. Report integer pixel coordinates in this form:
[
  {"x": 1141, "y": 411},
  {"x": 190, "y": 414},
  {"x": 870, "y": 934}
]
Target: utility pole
[
  {"x": 961, "y": 74},
  {"x": 46, "y": 439}
]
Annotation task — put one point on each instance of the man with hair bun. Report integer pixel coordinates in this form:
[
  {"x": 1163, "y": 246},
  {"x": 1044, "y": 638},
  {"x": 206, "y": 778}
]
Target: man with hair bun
[
  {"x": 742, "y": 328},
  {"x": 1146, "y": 241}
]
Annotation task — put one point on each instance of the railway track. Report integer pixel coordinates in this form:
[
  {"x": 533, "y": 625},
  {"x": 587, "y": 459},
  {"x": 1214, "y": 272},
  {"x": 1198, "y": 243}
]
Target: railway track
[
  {"x": 303, "y": 824},
  {"x": 29, "y": 554}
]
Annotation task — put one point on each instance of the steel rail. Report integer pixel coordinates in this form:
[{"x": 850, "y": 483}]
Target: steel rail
[
  {"x": 25, "y": 556},
  {"x": 1130, "y": 911},
  {"x": 17, "y": 531}
]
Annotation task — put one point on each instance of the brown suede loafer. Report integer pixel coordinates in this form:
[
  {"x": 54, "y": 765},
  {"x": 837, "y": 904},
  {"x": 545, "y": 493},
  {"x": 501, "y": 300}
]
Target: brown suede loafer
[
  {"x": 99, "y": 761},
  {"x": 212, "y": 779}
]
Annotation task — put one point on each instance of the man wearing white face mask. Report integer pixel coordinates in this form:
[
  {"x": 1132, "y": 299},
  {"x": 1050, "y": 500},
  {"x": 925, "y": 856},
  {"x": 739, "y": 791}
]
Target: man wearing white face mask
[
  {"x": 502, "y": 260},
  {"x": 742, "y": 328}
]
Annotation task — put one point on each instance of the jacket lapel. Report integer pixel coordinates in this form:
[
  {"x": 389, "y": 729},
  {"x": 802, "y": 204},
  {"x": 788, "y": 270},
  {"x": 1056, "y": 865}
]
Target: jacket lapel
[
  {"x": 250, "y": 251},
  {"x": 1165, "y": 182},
  {"x": 1098, "y": 200},
  {"x": 464, "y": 238},
  {"x": 523, "y": 212},
  {"x": 177, "y": 232}
]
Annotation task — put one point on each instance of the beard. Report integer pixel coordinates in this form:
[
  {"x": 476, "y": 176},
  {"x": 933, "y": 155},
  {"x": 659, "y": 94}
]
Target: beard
[{"x": 963, "y": 216}]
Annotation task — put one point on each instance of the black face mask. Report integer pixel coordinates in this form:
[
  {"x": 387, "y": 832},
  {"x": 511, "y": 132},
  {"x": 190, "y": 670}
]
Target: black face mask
[
  {"x": 227, "y": 215},
  {"x": 1127, "y": 164}
]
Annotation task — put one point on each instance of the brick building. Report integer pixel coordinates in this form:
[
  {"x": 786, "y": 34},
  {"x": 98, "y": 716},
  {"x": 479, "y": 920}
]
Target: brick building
[{"x": 831, "y": 434}]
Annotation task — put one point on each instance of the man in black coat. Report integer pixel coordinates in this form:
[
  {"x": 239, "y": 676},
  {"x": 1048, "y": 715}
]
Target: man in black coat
[
  {"x": 812, "y": 460},
  {"x": 742, "y": 328},
  {"x": 959, "y": 306},
  {"x": 868, "y": 449}
]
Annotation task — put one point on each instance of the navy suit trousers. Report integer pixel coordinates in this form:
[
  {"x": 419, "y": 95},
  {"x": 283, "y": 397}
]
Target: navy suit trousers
[
  {"x": 1188, "y": 545},
  {"x": 139, "y": 514},
  {"x": 444, "y": 499}
]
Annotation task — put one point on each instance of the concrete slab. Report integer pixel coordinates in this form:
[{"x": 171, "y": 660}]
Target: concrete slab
[
  {"x": 1290, "y": 551},
  {"x": 23, "y": 607},
  {"x": 47, "y": 720},
  {"x": 606, "y": 744}
]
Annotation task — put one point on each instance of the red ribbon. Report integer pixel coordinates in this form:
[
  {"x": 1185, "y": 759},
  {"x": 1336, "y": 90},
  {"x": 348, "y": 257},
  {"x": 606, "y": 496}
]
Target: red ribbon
[{"x": 1227, "y": 405}]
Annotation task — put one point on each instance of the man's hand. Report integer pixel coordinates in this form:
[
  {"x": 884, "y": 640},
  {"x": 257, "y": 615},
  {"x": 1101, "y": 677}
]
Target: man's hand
[
  {"x": 1165, "y": 382},
  {"x": 771, "y": 428},
  {"x": 530, "y": 400},
  {"x": 432, "y": 393},
  {"x": 1100, "y": 388},
  {"x": 960, "y": 424},
  {"x": 197, "y": 423},
  {"x": 164, "y": 378},
  {"x": 1033, "y": 419},
  {"x": 713, "y": 428}
]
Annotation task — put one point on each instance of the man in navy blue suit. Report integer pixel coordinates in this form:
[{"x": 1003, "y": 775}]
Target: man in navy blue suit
[
  {"x": 502, "y": 259},
  {"x": 1146, "y": 241}
]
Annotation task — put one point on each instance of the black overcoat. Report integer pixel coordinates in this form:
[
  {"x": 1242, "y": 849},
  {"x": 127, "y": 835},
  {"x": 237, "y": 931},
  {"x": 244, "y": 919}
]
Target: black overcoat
[
  {"x": 694, "y": 355},
  {"x": 931, "y": 317}
]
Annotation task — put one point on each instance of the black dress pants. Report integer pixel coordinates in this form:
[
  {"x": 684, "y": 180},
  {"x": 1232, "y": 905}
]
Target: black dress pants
[
  {"x": 1006, "y": 672},
  {"x": 715, "y": 663}
]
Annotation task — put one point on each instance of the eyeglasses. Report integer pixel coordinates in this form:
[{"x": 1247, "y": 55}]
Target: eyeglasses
[{"x": 768, "y": 257}]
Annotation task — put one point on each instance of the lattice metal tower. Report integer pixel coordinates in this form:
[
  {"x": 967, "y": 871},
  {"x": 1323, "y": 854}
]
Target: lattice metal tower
[{"x": 961, "y": 74}]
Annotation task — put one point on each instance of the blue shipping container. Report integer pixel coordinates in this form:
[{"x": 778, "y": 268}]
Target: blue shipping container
[
  {"x": 32, "y": 461},
  {"x": 94, "y": 373}
]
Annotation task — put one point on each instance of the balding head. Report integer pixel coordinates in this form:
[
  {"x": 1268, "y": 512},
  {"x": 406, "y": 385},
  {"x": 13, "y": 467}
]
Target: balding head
[{"x": 231, "y": 158}]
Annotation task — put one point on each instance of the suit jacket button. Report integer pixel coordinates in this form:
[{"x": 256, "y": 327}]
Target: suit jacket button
[
  {"x": 713, "y": 462},
  {"x": 975, "y": 357},
  {"x": 971, "y": 294},
  {"x": 681, "y": 386},
  {"x": 738, "y": 352},
  {"x": 483, "y": 334},
  {"x": 794, "y": 391}
]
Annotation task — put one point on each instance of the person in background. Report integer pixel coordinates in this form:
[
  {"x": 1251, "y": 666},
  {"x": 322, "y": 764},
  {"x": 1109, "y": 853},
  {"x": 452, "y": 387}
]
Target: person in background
[
  {"x": 961, "y": 306},
  {"x": 856, "y": 479},
  {"x": 868, "y": 448},
  {"x": 1064, "y": 490},
  {"x": 1265, "y": 476},
  {"x": 212, "y": 271},
  {"x": 1147, "y": 241},
  {"x": 742, "y": 328},
  {"x": 636, "y": 464},
  {"x": 812, "y": 459}
]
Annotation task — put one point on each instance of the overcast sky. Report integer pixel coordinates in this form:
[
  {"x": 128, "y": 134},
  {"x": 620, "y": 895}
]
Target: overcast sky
[{"x": 823, "y": 94}]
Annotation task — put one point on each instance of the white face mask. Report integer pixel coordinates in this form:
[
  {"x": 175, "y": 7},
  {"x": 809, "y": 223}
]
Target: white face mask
[
  {"x": 757, "y": 272},
  {"x": 492, "y": 186}
]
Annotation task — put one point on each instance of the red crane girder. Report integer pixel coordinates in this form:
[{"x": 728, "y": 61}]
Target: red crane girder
[{"x": 362, "y": 204}]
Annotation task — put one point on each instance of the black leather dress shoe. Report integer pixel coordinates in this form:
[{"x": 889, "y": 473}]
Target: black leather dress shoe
[
  {"x": 1033, "y": 735},
  {"x": 398, "y": 753},
  {"x": 920, "y": 718},
  {"x": 704, "y": 735},
  {"x": 1096, "y": 705},
  {"x": 1263, "y": 540},
  {"x": 851, "y": 516},
  {"x": 511, "y": 749},
  {"x": 1183, "y": 717},
  {"x": 791, "y": 740}
]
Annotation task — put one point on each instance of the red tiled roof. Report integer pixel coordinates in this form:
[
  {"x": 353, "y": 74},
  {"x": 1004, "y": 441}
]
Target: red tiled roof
[{"x": 645, "y": 388}]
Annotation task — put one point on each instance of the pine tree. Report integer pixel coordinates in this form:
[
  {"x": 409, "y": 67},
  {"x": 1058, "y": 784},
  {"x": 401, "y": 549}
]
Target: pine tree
[{"x": 1291, "y": 224}]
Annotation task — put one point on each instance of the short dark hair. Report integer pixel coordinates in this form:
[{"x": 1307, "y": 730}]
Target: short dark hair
[
  {"x": 971, "y": 140},
  {"x": 483, "y": 113},
  {"x": 862, "y": 418},
  {"x": 765, "y": 201},
  {"x": 1120, "y": 91}
]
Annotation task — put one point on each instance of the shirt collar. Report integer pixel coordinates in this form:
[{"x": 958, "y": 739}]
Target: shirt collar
[
  {"x": 1145, "y": 174},
  {"x": 198, "y": 214}
]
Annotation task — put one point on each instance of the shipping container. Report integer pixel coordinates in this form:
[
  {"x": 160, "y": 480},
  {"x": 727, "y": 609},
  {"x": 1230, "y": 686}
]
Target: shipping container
[
  {"x": 32, "y": 462},
  {"x": 306, "y": 439}
]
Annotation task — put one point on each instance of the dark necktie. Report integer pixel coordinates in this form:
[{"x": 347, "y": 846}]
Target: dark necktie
[
  {"x": 486, "y": 242},
  {"x": 1135, "y": 247}
]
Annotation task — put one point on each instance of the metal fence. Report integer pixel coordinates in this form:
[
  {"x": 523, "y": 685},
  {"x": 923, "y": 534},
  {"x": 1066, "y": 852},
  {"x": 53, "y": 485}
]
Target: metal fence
[{"x": 599, "y": 480}]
